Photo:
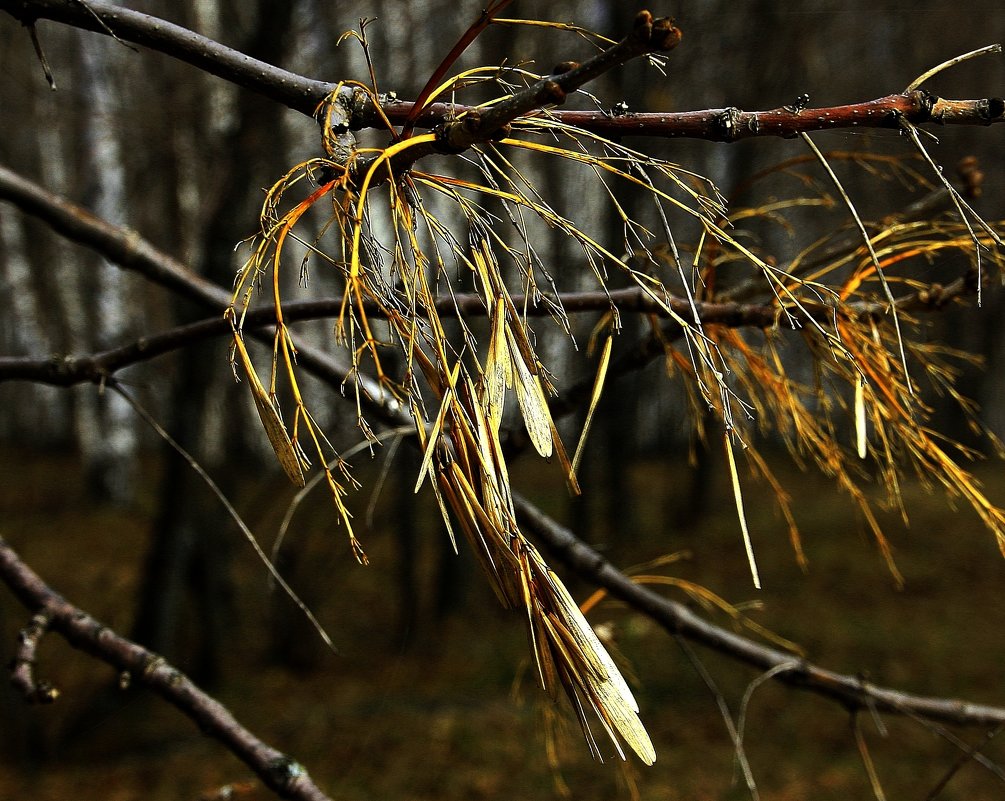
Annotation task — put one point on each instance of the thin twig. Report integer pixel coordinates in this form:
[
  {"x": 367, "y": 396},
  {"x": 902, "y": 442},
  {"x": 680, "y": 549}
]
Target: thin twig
[
  {"x": 870, "y": 767},
  {"x": 968, "y": 755},
  {"x": 952, "y": 62},
  {"x": 40, "y": 54},
  {"x": 961, "y": 204},
  {"x": 312, "y": 483},
  {"x": 225, "y": 502},
  {"x": 741, "y": 718},
  {"x": 735, "y": 733},
  {"x": 25, "y": 656},
  {"x": 867, "y": 240}
]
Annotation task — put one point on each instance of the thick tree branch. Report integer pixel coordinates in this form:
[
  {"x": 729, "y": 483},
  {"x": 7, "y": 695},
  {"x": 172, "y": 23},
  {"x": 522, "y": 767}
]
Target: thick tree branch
[
  {"x": 851, "y": 692},
  {"x": 304, "y": 94},
  {"x": 280, "y": 773},
  {"x": 291, "y": 90}
]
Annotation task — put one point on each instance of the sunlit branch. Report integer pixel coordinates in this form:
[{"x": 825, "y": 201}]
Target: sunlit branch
[
  {"x": 733, "y": 124},
  {"x": 283, "y": 775}
]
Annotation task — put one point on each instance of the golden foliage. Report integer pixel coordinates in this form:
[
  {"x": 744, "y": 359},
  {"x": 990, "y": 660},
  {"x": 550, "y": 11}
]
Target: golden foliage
[{"x": 400, "y": 238}]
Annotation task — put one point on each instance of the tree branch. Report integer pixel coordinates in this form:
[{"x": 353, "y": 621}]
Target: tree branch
[
  {"x": 851, "y": 692},
  {"x": 280, "y": 773},
  {"x": 291, "y": 90},
  {"x": 304, "y": 94},
  {"x": 131, "y": 251},
  {"x": 733, "y": 124}
]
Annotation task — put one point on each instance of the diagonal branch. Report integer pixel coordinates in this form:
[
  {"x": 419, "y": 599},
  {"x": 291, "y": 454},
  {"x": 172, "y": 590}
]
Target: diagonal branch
[
  {"x": 283, "y": 775},
  {"x": 131, "y": 251},
  {"x": 849, "y": 691},
  {"x": 291, "y": 90}
]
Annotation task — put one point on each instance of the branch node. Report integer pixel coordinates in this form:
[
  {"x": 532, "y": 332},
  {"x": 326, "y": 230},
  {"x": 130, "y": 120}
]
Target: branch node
[
  {"x": 991, "y": 108},
  {"x": 23, "y": 664},
  {"x": 642, "y": 28},
  {"x": 727, "y": 122},
  {"x": 551, "y": 92},
  {"x": 285, "y": 771},
  {"x": 655, "y": 34},
  {"x": 564, "y": 66}
]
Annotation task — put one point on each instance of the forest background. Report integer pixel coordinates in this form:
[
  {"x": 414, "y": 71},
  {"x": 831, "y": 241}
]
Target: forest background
[{"x": 432, "y": 696}]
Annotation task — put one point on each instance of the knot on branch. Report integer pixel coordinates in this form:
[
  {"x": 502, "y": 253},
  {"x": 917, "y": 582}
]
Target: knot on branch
[
  {"x": 656, "y": 34},
  {"x": 727, "y": 123},
  {"x": 283, "y": 772}
]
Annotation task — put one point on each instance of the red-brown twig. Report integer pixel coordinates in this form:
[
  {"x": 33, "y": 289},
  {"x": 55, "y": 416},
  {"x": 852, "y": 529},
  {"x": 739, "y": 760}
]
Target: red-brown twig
[{"x": 304, "y": 94}]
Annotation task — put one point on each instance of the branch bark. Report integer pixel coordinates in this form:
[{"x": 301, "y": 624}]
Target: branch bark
[
  {"x": 131, "y": 251},
  {"x": 851, "y": 692},
  {"x": 283, "y": 775},
  {"x": 304, "y": 94},
  {"x": 291, "y": 90}
]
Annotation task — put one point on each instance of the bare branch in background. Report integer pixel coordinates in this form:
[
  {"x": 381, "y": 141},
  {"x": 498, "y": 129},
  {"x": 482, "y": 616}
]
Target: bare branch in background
[
  {"x": 282, "y": 774},
  {"x": 849, "y": 691}
]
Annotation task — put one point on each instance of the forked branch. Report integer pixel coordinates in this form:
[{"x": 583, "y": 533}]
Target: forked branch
[
  {"x": 304, "y": 94},
  {"x": 283, "y": 775}
]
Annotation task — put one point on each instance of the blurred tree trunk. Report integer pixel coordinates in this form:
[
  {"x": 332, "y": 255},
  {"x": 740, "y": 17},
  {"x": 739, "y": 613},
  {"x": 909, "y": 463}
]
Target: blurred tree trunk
[
  {"x": 107, "y": 427},
  {"x": 186, "y": 574}
]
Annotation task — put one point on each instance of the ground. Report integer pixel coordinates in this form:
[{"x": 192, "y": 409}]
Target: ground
[{"x": 456, "y": 715}]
